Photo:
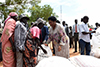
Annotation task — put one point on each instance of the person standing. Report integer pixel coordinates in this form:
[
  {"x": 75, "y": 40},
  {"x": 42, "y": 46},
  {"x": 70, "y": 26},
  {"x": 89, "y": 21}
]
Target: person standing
[
  {"x": 65, "y": 27},
  {"x": 84, "y": 36},
  {"x": 20, "y": 38},
  {"x": 80, "y": 36},
  {"x": 44, "y": 31},
  {"x": 0, "y": 43},
  {"x": 70, "y": 36},
  {"x": 59, "y": 38},
  {"x": 57, "y": 21},
  {"x": 63, "y": 23},
  {"x": 75, "y": 33},
  {"x": 31, "y": 45},
  {"x": 67, "y": 30},
  {"x": 7, "y": 40},
  {"x": 96, "y": 24}
]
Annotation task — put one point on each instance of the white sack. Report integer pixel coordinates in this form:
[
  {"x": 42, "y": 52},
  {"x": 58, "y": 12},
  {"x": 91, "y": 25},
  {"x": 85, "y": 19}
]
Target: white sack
[
  {"x": 55, "y": 61},
  {"x": 42, "y": 55},
  {"x": 95, "y": 51}
]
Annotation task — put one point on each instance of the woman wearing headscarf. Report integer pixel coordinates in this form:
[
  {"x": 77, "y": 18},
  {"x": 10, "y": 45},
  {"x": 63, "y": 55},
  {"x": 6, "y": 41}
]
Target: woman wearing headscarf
[
  {"x": 32, "y": 43},
  {"x": 59, "y": 38},
  {"x": 7, "y": 40}
]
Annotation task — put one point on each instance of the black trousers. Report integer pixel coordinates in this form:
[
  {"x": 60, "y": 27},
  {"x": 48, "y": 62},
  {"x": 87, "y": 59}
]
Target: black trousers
[
  {"x": 76, "y": 38},
  {"x": 0, "y": 51},
  {"x": 71, "y": 41}
]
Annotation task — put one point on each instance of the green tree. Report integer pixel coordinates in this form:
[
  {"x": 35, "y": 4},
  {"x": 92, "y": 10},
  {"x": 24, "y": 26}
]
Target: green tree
[
  {"x": 41, "y": 11},
  {"x": 19, "y": 6}
]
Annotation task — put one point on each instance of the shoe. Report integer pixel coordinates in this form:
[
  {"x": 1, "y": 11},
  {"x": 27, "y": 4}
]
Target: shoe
[{"x": 74, "y": 51}]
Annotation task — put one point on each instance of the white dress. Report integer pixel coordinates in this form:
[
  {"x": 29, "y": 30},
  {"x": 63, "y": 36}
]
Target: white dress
[{"x": 59, "y": 37}]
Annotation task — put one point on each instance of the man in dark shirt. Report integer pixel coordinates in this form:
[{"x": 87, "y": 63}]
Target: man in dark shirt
[{"x": 45, "y": 33}]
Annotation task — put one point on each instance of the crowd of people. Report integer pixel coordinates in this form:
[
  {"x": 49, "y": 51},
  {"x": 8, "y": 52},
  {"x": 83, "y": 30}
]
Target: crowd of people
[{"x": 21, "y": 43}]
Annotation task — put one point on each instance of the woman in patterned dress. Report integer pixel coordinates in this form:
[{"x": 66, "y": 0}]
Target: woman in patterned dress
[
  {"x": 59, "y": 38},
  {"x": 30, "y": 53},
  {"x": 32, "y": 43},
  {"x": 7, "y": 40}
]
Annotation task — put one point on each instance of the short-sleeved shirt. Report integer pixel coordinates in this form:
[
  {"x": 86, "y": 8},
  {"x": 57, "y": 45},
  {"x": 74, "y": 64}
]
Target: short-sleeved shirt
[
  {"x": 35, "y": 32},
  {"x": 84, "y": 28}
]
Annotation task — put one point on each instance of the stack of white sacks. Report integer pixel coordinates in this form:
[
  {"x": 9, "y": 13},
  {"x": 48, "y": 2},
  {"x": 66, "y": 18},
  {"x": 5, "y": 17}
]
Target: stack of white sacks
[
  {"x": 47, "y": 60},
  {"x": 95, "y": 50}
]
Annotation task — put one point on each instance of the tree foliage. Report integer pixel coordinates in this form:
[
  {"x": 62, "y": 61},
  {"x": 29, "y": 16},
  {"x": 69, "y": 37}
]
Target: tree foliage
[
  {"x": 18, "y": 6},
  {"x": 41, "y": 11},
  {"x": 22, "y": 6}
]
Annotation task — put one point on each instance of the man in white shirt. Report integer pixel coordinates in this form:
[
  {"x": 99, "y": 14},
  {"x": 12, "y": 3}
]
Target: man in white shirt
[
  {"x": 84, "y": 37},
  {"x": 75, "y": 33}
]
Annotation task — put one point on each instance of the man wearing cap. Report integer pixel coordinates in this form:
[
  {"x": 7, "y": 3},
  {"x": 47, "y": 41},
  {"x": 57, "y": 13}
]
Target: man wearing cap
[
  {"x": 19, "y": 39},
  {"x": 23, "y": 19},
  {"x": 44, "y": 30}
]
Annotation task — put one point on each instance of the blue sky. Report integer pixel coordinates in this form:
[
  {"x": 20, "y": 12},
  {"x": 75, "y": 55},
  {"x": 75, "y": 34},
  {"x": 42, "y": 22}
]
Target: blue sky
[{"x": 76, "y": 9}]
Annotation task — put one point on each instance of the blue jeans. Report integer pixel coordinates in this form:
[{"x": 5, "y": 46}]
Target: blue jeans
[{"x": 86, "y": 45}]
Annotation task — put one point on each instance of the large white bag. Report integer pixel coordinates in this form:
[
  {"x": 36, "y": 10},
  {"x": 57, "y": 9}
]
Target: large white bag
[
  {"x": 95, "y": 51},
  {"x": 85, "y": 61},
  {"x": 55, "y": 61},
  {"x": 42, "y": 55}
]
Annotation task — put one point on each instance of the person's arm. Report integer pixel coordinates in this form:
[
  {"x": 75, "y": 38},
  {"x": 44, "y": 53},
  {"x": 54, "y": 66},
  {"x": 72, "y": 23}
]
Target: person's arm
[
  {"x": 49, "y": 39},
  {"x": 39, "y": 44},
  {"x": 88, "y": 32},
  {"x": 73, "y": 31},
  {"x": 83, "y": 30},
  {"x": 63, "y": 36},
  {"x": 12, "y": 43},
  {"x": 35, "y": 33},
  {"x": 68, "y": 31}
]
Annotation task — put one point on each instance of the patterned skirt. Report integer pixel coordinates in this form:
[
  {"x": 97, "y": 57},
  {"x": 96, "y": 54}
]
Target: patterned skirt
[{"x": 30, "y": 54}]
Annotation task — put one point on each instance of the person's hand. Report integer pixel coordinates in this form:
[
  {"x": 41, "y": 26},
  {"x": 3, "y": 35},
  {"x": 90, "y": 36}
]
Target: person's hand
[
  {"x": 93, "y": 31},
  {"x": 44, "y": 51},
  {"x": 91, "y": 45},
  {"x": 59, "y": 48},
  {"x": 46, "y": 44},
  {"x": 44, "y": 41}
]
